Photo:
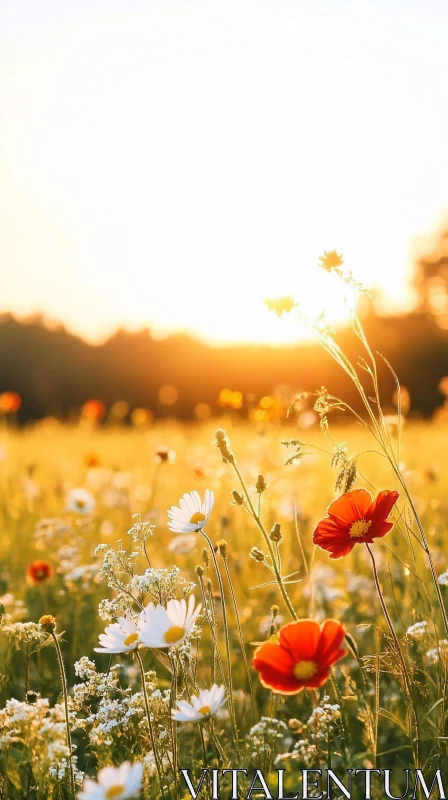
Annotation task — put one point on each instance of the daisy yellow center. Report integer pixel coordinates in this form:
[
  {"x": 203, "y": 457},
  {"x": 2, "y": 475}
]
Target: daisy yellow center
[
  {"x": 81, "y": 504},
  {"x": 130, "y": 640},
  {"x": 196, "y": 518},
  {"x": 114, "y": 791},
  {"x": 360, "y": 528},
  {"x": 173, "y": 634},
  {"x": 204, "y": 710},
  {"x": 305, "y": 669}
]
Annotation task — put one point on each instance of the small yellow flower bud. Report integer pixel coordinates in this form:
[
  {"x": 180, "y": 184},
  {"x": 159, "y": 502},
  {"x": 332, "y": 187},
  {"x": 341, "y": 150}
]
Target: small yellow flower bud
[
  {"x": 223, "y": 446},
  {"x": 199, "y": 570},
  {"x": 205, "y": 557},
  {"x": 276, "y": 534},
  {"x": 209, "y": 585},
  {"x": 274, "y": 609},
  {"x": 261, "y": 485},
  {"x": 237, "y": 498},
  {"x": 257, "y": 554},
  {"x": 48, "y": 623},
  {"x": 222, "y": 547}
]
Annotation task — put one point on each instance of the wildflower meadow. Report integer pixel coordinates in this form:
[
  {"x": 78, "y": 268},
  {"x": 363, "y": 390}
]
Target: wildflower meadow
[{"x": 264, "y": 592}]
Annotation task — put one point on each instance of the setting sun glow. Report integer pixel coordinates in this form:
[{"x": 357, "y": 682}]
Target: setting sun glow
[{"x": 172, "y": 166}]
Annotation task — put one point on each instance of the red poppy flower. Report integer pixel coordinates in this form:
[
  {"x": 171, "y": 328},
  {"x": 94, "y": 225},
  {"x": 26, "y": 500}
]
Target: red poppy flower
[
  {"x": 303, "y": 656},
  {"x": 38, "y": 571},
  {"x": 354, "y": 518},
  {"x": 94, "y": 410},
  {"x": 10, "y": 402}
]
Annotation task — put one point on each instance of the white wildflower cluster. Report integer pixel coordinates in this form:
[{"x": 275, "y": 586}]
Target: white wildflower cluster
[
  {"x": 118, "y": 606},
  {"x": 438, "y": 653},
  {"x": 116, "y": 562},
  {"x": 19, "y": 633},
  {"x": 39, "y": 729},
  {"x": 266, "y": 738},
  {"x": 304, "y": 752},
  {"x": 51, "y": 529},
  {"x": 12, "y": 609},
  {"x": 322, "y": 726},
  {"x": 161, "y": 584},
  {"x": 61, "y": 772},
  {"x": 140, "y": 530},
  {"x": 418, "y": 630},
  {"x": 443, "y": 578},
  {"x": 324, "y": 720},
  {"x": 96, "y": 684},
  {"x": 107, "y": 711}
]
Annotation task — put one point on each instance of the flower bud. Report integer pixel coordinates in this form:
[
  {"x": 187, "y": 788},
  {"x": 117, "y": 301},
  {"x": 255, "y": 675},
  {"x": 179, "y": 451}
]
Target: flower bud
[
  {"x": 276, "y": 534},
  {"x": 222, "y": 547},
  {"x": 257, "y": 554},
  {"x": 274, "y": 610},
  {"x": 237, "y": 498},
  {"x": 261, "y": 485},
  {"x": 48, "y": 623},
  {"x": 205, "y": 557},
  {"x": 199, "y": 570},
  {"x": 223, "y": 446}
]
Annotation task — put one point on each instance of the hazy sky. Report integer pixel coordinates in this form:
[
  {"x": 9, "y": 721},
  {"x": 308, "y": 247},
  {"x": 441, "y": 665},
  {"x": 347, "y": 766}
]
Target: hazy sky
[{"x": 174, "y": 163}]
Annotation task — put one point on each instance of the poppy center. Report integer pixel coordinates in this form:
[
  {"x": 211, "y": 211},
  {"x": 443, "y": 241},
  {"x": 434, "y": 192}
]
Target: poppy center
[
  {"x": 360, "y": 528},
  {"x": 196, "y": 518},
  {"x": 204, "y": 710},
  {"x": 114, "y": 791},
  {"x": 173, "y": 634},
  {"x": 133, "y": 637},
  {"x": 304, "y": 670}
]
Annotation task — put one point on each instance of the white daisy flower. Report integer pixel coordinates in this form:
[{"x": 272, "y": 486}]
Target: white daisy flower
[
  {"x": 202, "y": 706},
  {"x": 168, "y": 627},
  {"x": 120, "y": 637},
  {"x": 114, "y": 783},
  {"x": 192, "y": 514},
  {"x": 80, "y": 500}
]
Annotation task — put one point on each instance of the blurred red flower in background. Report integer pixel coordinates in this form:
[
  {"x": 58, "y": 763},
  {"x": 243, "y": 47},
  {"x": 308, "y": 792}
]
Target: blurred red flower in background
[
  {"x": 38, "y": 572},
  {"x": 10, "y": 402},
  {"x": 94, "y": 410}
]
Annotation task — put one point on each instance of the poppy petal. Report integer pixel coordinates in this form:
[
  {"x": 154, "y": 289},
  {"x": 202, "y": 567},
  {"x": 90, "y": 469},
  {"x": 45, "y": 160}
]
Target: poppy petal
[
  {"x": 329, "y": 649},
  {"x": 273, "y": 655},
  {"x": 301, "y": 639},
  {"x": 350, "y": 506},
  {"x": 382, "y": 506},
  {"x": 376, "y": 532}
]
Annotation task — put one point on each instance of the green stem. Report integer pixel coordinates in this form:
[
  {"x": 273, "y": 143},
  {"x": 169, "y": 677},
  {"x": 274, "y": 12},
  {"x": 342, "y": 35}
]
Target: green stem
[
  {"x": 406, "y": 677},
  {"x": 268, "y": 543},
  {"x": 226, "y": 637},
  {"x": 240, "y": 633},
  {"x": 150, "y": 725},
  {"x": 67, "y": 719}
]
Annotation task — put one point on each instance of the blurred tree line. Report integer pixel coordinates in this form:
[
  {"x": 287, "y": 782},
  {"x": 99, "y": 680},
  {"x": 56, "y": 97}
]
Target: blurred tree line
[{"x": 55, "y": 372}]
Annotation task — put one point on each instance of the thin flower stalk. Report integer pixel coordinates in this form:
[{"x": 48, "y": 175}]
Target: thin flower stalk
[
  {"x": 267, "y": 540},
  {"x": 226, "y": 636},
  {"x": 67, "y": 718},
  {"x": 240, "y": 631},
  {"x": 399, "y": 653},
  {"x": 150, "y": 725}
]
